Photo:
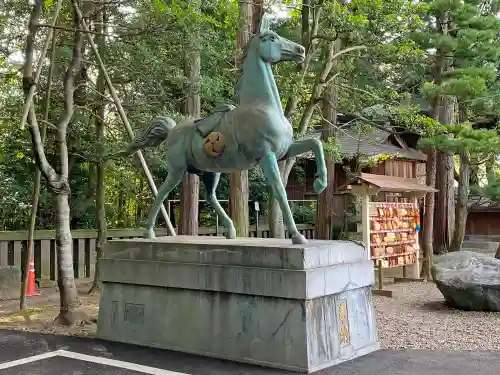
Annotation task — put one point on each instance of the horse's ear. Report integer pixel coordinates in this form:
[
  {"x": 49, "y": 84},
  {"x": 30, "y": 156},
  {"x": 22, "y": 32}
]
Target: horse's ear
[{"x": 264, "y": 24}]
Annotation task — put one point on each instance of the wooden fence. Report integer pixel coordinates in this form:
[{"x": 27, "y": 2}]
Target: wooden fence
[{"x": 13, "y": 245}]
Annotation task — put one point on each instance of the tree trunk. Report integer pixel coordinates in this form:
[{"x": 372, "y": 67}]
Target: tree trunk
[
  {"x": 474, "y": 176},
  {"x": 445, "y": 197},
  {"x": 462, "y": 199},
  {"x": 257, "y": 13},
  {"x": 441, "y": 243},
  {"x": 490, "y": 173},
  {"x": 307, "y": 12},
  {"x": 69, "y": 302},
  {"x": 238, "y": 181},
  {"x": 443, "y": 108},
  {"x": 27, "y": 82},
  {"x": 450, "y": 170},
  {"x": 428, "y": 222},
  {"x": 276, "y": 223},
  {"x": 238, "y": 202},
  {"x": 69, "y": 313},
  {"x": 324, "y": 214},
  {"x": 190, "y": 187},
  {"x": 188, "y": 218},
  {"x": 99, "y": 115},
  {"x": 121, "y": 207},
  {"x": 38, "y": 174},
  {"x": 463, "y": 192},
  {"x": 101, "y": 225}
]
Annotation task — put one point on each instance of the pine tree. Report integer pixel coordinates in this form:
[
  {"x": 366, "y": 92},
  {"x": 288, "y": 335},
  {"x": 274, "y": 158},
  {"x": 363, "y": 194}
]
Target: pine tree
[{"x": 465, "y": 73}]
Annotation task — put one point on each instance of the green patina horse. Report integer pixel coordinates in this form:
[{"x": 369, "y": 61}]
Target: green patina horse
[{"x": 253, "y": 133}]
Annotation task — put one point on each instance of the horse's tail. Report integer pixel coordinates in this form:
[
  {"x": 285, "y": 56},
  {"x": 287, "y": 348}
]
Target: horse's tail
[{"x": 155, "y": 134}]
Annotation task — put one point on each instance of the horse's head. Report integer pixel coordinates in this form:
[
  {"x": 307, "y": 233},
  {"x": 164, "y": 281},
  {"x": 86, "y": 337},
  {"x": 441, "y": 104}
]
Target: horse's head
[{"x": 274, "y": 48}]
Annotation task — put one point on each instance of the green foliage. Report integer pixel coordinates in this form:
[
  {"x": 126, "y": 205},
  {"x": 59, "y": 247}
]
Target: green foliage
[
  {"x": 462, "y": 136},
  {"x": 145, "y": 58},
  {"x": 409, "y": 118},
  {"x": 470, "y": 55},
  {"x": 304, "y": 213},
  {"x": 332, "y": 150}
]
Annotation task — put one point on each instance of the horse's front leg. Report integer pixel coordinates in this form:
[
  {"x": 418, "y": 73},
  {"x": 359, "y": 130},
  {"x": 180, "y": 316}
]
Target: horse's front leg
[
  {"x": 306, "y": 145},
  {"x": 269, "y": 166}
]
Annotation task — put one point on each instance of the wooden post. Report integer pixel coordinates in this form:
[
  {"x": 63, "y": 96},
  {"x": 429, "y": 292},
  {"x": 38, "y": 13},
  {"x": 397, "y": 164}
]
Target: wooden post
[
  {"x": 380, "y": 275},
  {"x": 365, "y": 219},
  {"x": 217, "y": 225},
  {"x": 416, "y": 267}
]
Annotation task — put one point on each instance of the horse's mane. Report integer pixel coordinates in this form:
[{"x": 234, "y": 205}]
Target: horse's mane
[{"x": 241, "y": 60}]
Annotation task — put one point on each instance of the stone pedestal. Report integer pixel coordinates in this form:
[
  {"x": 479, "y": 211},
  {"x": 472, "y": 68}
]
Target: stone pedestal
[
  {"x": 10, "y": 282},
  {"x": 261, "y": 301}
]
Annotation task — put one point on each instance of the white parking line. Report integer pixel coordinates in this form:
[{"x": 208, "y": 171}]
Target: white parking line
[
  {"x": 90, "y": 358},
  {"x": 116, "y": 363},
  {"x": 23, "y": 361}
]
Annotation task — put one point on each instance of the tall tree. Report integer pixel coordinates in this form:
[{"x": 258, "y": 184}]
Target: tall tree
[
  {"x": 310, "y": 18},
  {"x": 238, "y": 181},
  {"x": 27, "y": 80},
  {"x": 324, "y": 214},
  {"x": 464, "y": 66},
  {"x": 58, "y": 181},
  {"x": 434, "y": 32},
  {"x": 190, "y": 187},
  {"x": 100, "y": 139}
]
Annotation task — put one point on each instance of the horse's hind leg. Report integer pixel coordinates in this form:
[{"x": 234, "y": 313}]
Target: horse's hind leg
[
  {"x": 211, "y": 180},
  {"x": 174, "y": 177},
  {"x": 269, "y": 166}
]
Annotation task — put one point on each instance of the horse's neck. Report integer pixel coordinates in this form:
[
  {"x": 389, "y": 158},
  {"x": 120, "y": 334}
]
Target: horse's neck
[{"x": 258, "y": 85}]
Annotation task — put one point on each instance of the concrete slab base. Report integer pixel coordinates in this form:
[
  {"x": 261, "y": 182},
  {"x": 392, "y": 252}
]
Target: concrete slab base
[{"x": 295, "y": 307}]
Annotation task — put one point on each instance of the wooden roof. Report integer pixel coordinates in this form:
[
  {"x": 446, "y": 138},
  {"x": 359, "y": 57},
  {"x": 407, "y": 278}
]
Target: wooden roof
[
  {"x": 391, "y": 183},
  {"x": 478, "y": 203},
  {"x": 351, "y": 143}
]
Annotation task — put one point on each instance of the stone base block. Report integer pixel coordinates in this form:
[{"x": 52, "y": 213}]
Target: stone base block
[
  {"x": 10, "y": 282},
  {"x": 295, "y": 307}
]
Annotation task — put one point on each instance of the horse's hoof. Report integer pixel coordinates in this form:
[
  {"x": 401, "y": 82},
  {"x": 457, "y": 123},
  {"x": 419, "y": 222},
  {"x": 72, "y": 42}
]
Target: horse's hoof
[
  {"x": 150, "y": 234},
  {"x": 299, "y": 239},
  {"x": 319, "y": 185},
  {"x": 231, "y": 234}
]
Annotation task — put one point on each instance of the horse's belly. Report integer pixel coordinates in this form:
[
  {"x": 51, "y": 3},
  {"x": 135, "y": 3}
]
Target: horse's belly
[
  {"x": 249, "y": 135},
  {"x": 230, "y": 160}
]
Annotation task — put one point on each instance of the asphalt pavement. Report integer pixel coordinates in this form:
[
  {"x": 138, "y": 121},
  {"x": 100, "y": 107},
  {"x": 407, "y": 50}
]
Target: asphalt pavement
[{"x": 38, "y": 354}]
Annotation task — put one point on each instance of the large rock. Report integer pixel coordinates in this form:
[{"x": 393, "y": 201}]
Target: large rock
[
  {"x": 469, "y": 280},
  {"x": 10, "y": 282}
]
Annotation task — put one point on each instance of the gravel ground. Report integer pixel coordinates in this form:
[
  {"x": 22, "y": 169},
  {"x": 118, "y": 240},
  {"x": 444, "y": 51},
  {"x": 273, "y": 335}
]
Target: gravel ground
[{"x": 416, "y": 317}]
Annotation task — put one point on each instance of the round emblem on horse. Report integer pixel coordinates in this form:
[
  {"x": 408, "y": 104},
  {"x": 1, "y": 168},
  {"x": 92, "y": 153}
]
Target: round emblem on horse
[{"x": 214, "y": 144}]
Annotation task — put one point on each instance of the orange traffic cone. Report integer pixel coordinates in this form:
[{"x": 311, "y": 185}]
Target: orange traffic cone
[{"x": 31, "y": 289}]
